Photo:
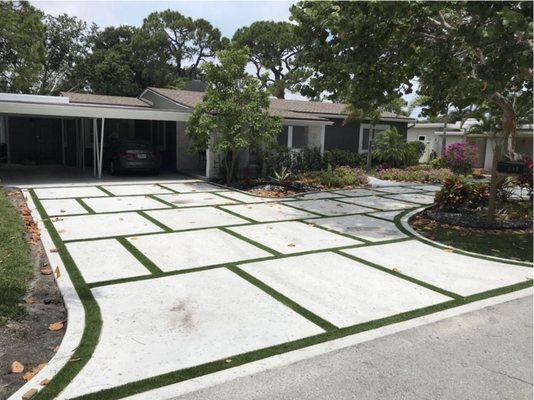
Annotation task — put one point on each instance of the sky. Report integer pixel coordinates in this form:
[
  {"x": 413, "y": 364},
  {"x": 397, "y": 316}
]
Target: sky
[{"x": 228, "y": 16}]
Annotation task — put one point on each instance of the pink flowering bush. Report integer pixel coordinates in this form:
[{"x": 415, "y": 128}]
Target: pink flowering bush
[{"x": 460, "y": 157}]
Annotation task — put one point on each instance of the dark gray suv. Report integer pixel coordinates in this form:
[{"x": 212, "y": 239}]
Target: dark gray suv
[{"x": 132, "y": 155}]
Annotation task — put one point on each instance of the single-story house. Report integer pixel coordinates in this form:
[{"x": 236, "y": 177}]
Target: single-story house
[
  {"x": 432, "y": 135},
  {"x": 71, "y": 129}
]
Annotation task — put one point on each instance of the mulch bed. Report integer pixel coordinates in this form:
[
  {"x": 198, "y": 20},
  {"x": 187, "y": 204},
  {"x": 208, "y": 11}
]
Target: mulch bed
[
  {"x": 270, "y": 189},
  {"x": 474, "y": 220},
  {"x": 29, "y": 340}
]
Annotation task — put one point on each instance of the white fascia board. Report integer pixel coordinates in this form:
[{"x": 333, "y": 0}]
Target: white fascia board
[
  {"x": 303, "y": 122},
  {"x": 85, "y": 111}
]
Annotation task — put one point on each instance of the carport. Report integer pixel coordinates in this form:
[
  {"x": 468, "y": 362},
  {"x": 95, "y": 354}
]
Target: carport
[{"x": 88, "y": 121}]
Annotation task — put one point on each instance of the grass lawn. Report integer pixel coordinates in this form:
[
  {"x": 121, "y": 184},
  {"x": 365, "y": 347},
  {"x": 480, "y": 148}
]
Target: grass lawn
[
  {"x": 516, "y": 246},
  {"x": 14, "y": 266}
]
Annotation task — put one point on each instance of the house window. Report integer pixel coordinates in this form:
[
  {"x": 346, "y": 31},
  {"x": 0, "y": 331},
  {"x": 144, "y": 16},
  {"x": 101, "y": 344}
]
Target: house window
[
  {"x": 300, "y": 137},
  {"x": 421, "y": 138}
]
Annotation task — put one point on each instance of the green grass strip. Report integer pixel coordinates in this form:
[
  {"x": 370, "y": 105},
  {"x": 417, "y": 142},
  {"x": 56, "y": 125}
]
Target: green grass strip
[
  {"x": 401, "y": 275},
  {"x": 252, "y": 242},
  {"x": 236, "y": 214},
  {"x": 154, "y": 221},
  {"x": 105, "y": 190},
  {"x": 154, "y": 197},
  {"x": 93, "y": 320},
  {"x": 244, "y": 358},
  {"x": 322, "y": 323},
  {"x": 147, "y": 263},
  {"x": 85, "y": 206}
]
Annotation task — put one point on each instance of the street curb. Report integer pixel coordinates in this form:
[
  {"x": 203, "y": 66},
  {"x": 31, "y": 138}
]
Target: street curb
[{"x": 73, "y": 304}]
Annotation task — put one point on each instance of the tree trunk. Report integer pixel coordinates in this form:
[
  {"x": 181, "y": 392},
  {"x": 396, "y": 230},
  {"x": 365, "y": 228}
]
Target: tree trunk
[
  {"x": 494, "y": 185},
  {"x": 369, "y": 148},
  {"x": 230, "y": 166},
  {"x": 509, "y": 124},
  {"x": 444, "y": 140}
]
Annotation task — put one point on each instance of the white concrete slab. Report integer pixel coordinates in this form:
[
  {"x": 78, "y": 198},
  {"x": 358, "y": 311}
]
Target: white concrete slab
[
  {"x": 102, "y": 260},
  {"x": 128, "y": 190},
  {"x": 361, "y": 226},
  {"x": 184, "y": 250},
  {"x": 293, "y": 237},
  {"x": 195, "y": 199},
  {"x": 123, "y": 203},
  {"x": 69, "y": 192},
  {"x": 340, "y": 290},
  {"x": 63, "y": 207},
  {"x": 456, "y": 273},
  {"x": 317, "y": 196},
  {"x": 248, "y": 198},
  {"x": 193, "y": 218},
  {"x": 102, "y": 225},
  {"x": 389, "y": 215},
  {"x": 156, "y": 326},
  {"x": 397, "y": 189},
  {"x": 414, "y": 198},
  {"x": 269, "y": 212},
  {"x": 357, "y": 192},
  {"x": 428, "y": 188},
  {"x": 380, "y": 203},
  {"x": 329, "y": 207},
  {"x": 185, "y": 187}
]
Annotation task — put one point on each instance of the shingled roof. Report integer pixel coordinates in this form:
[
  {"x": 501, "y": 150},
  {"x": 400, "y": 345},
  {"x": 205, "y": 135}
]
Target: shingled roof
[
  {"x": 282, "y": 107},
  {"x": 97, "y": 99}
]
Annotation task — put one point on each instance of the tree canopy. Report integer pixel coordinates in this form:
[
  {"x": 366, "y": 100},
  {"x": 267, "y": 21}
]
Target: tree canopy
[
  {"x": 273, "y": 47},
  {"x": 21, "y": 46},
  {"x": 234, "y": 107}
]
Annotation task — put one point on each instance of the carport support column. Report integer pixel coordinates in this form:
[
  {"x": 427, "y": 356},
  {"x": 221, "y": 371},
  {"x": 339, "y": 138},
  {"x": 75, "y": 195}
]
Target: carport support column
[
  {"x": 323, "y": 129},
  {"x": 95, "y": 145},
  {"x": 101, "y": 153}
]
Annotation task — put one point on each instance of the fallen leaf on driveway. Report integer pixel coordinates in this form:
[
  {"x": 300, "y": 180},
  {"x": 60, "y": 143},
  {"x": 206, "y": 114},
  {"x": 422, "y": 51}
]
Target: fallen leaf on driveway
[
  {"x": 58, "y": 273},
  {"x": 291, "y": 245},
  {"x": 62, "y": 211},
  {"x": 396, "y": 270},
  {"x": 16, "y": 367},
  {"x": 30, "y": 374},
  {"x": 56, "y": 326},
  {"x": 44, "y": 382},
  {"x": 54, "y": 250},
  {"x": 448, "y": 250},
  {"x": 61, "y": 230},
  {"x": 74, "y": 359},
  {"x": 46, "y": 271}
]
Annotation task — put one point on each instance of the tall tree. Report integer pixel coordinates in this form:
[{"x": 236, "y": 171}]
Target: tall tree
[
  {"x": 232, "y": 115},
  {"x": 21, "y": 46},
  {"x": 475, "y": 53},
  {"x": 189, "y": 42},
  {"x": 64, "y": 43},
  {"x": 356, "y": 53},
  {"x": 273, "y": 47}
]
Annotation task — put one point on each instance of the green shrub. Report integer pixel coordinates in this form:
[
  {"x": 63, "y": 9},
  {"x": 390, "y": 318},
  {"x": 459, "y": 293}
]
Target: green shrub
[
  {"x": 339, "y": 157},
  {"x": 436, "y": 163},
  {"x": 335, "y": 178},
  {"x": 388, "y": 147},
  {"x": 294, "y": 160},
  {"x": 458, "y": 194},
  {"x": 413, "y": 152},
  {"x": 415, "y": 174}
]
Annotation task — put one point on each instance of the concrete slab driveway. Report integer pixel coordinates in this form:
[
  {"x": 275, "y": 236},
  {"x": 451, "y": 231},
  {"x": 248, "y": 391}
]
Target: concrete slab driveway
[{"x": 184, "y": 280}]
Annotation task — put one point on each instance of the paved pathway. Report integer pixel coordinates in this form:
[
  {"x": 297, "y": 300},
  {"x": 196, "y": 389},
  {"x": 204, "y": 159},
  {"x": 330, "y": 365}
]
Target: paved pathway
[{"x": 182, "y": 279}]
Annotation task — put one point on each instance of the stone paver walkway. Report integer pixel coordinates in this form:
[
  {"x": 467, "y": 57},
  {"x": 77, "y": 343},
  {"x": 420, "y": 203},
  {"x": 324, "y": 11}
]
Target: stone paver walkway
[{"x": 190, "y": 277}]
